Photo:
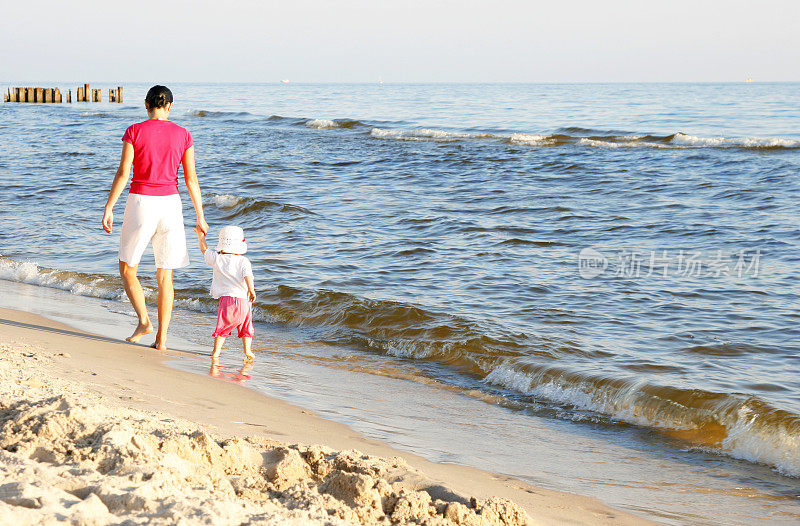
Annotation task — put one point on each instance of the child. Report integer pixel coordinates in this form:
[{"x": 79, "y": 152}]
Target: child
[{"x": 233, "y": 285}]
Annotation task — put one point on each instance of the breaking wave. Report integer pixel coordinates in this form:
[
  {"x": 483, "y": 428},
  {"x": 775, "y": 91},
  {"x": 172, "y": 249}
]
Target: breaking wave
[
  {"x": 735, "y": 425},
  {"x": 78, "y": 283},
  {"x": 218, "y": 114},
  {"x": 234, "y": 206},
  {"x": 324, "y": 124},
  {"x": 425, "y": 134}
]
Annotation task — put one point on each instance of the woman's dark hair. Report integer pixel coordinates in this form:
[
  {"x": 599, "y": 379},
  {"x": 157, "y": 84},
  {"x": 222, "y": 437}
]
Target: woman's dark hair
[{"x": 158, "y": 96}]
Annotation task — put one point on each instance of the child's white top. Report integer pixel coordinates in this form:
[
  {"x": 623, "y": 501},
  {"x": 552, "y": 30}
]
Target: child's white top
[{"x": 229, "y": 273}]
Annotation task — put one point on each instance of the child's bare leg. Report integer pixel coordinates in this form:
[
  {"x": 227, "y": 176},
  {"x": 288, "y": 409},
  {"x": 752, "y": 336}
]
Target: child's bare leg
[
  {"x": 218, "y": 341},
  {"x": 246, "y": 342}
]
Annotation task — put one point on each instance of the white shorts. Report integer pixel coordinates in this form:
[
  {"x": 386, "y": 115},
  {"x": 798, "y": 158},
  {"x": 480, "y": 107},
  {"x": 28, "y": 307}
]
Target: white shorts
[{"x": 156, "y": 218}]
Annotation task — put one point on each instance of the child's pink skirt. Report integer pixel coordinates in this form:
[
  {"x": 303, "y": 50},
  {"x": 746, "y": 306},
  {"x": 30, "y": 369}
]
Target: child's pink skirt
[{"x": 234, "y": 313}]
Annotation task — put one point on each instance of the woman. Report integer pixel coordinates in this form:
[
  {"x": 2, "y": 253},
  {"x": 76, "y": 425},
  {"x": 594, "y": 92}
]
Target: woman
[{"x": 153, "y": 211}]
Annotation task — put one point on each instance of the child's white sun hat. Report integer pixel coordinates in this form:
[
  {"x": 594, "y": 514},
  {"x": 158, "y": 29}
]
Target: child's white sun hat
[{"x": 231, "y": 239}]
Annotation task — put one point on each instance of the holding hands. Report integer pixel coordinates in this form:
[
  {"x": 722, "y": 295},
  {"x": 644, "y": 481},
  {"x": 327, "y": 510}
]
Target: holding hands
[
  {"x": 201, "y": 236},
  {"x": 201, "y": 226}
]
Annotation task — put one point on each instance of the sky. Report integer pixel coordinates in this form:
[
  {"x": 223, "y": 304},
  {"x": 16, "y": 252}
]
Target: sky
[{"x": 401, "y": 41}]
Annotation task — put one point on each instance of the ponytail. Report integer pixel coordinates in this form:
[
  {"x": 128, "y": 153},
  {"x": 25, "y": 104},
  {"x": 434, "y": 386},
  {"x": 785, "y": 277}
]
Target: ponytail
[{"x": 158, "y": 96}]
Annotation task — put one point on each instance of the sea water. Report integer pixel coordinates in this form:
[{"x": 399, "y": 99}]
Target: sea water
[{"x": 587, "y": 286}]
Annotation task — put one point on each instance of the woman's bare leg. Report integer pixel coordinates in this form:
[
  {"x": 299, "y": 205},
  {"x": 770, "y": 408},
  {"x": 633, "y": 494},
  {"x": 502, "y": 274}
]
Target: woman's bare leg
[
  {"x": 136, "y": 296},
  {"x": 166, "y": 295}
]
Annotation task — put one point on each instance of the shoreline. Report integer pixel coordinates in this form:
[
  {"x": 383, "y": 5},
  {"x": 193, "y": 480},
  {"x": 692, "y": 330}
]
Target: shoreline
[{"x": 135, "y": 377}]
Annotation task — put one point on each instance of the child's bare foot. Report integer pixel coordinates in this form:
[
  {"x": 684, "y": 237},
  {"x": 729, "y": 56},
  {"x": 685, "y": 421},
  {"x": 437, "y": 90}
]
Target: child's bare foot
[
  {"x": 141, "y": 330},
  {"x": 249, "y": 355},
  {"x": 214, "y": 366}
]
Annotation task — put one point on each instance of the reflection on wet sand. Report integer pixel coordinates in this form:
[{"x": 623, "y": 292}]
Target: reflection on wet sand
[{"x": 239, "y": 377}]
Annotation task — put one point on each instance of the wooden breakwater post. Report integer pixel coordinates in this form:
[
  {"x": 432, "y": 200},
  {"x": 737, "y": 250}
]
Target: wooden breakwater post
[
  {"x": 115, "y": 95},
  {"x": 53, "y": 95},
  {"x": 82, "y": 94}
]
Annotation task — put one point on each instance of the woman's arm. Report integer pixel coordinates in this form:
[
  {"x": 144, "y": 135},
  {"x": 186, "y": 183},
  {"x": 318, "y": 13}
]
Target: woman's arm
[
  {"x": 190, "y": 176},
  {"x": 120, "y": 181}
]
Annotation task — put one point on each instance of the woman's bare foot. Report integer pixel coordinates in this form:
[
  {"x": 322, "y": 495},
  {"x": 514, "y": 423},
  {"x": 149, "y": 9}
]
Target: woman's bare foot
[
  {"x": 141, "y": 330},
  {"x": 159, "y": 346}
]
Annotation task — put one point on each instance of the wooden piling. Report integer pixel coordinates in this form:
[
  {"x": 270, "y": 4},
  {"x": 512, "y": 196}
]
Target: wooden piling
[
  {"x": 85, "y": 93},
  {"x": 57, "y": 96},
  {"x": 48, "y": 95},
  {"x": 20, "y": 94},
  {"x": 118, "y": 98},
  {"x": 39, "y": 94},
  {"x": 110, "y": 95}
]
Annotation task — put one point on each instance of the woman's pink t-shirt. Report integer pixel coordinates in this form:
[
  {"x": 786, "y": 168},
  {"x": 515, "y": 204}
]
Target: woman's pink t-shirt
[{"x": 158, "y": 147}]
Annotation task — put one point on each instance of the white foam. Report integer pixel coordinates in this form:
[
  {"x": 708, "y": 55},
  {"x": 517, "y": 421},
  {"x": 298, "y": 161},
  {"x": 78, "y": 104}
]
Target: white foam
[
  {"x": 382, "y": 133},
  {"x": 321, "y": 124},
  {"x": 426, "y": 134},
  {"x": 775, "y": 447},
  {"x": 439, "y": 135},
  {"x": 529, "y": 139},
  {"x": 31, "y": 273},
  {"x": 627, "y": 142},
  {"x": 724, "y": 142}
]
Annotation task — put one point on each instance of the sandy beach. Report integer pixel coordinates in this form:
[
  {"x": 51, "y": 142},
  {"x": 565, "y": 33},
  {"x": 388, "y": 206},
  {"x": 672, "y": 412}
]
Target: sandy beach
[{"x": 96, "y": 431}]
